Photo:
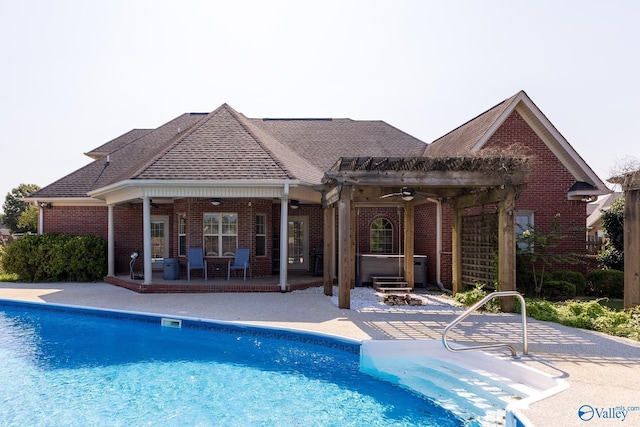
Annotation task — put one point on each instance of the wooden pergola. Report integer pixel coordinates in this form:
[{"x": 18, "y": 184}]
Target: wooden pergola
[
  {"x": 630, "y": 183},
  {"x": 462, "y": 181}
]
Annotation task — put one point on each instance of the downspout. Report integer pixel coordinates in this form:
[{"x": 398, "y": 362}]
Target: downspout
[
  {"x": 438, "y": 203},
  {"x": 284, "y": 221}
]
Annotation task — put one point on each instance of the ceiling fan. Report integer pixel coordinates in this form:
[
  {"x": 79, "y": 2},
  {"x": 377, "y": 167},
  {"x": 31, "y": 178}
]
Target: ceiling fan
[{"x": 406, "y": 193}]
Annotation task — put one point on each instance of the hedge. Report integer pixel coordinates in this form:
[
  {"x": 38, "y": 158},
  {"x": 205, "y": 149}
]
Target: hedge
[{"x": 56, "y": 258}]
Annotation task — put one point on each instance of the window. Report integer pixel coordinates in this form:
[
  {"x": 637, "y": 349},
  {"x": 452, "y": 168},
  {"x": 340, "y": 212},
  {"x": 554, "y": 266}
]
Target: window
[
  {"x": 261, "y": 235},
  {"x": 220, "y": 231},
  {"x": 524, "y": 222},
  {"x": 182, "y": 236},
  {"x": 381, "y": 236}
]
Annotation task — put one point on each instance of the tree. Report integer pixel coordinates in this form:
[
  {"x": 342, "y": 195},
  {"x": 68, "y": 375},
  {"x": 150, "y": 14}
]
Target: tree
[
  {"x": 612, "y": 256},
  {"x": 541, "y": 250},
  {"x": 14, "y": 207}
]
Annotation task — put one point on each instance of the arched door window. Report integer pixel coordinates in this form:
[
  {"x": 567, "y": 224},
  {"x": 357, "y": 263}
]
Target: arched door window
[{"x": 381, "y": 236}]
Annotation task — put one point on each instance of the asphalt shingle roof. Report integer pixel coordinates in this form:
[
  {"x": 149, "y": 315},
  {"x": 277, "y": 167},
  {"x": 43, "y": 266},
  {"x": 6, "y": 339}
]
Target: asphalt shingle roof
[
  {"x": 461, "y": 140},
  {"x": 226, "y": 145},
  {"x": 117, "y": 143}
]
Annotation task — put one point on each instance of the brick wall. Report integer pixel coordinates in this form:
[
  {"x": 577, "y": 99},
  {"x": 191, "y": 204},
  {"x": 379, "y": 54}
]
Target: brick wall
[
  {"x": 545, "y": 196},
  {"x": 73, "y": 220}
]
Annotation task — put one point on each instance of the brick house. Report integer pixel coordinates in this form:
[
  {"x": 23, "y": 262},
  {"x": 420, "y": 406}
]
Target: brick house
[{"x": 221, "y": 180}]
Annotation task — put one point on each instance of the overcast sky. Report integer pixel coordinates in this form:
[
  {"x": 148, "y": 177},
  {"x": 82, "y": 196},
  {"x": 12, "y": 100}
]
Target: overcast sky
[{"x": 75, "y": 74}]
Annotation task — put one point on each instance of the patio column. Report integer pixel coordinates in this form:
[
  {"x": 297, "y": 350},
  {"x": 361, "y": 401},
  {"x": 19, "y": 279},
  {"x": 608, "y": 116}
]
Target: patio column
[
  {"x": 110, "y": 243},
  {"x": 146, "y": 238},
  {"x": 507, "y": 247},
  {"x": 329, "y": 254},
  {"x": 284, "y": 231},
  {"x": 40, "y": 218}
]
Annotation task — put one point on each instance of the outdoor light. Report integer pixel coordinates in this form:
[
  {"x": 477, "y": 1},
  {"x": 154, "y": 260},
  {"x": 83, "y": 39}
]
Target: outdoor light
[
  {"x": 216, "y": 202},
  {"x": 45, "y": 205},
  {"x": 134, "y": 255},
  {"x": 407, "y": 194},
  {"x": 295, "y": 204}
]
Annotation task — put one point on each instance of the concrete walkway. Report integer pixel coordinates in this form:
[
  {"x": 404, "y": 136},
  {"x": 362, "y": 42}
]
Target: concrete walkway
[{"x": 602, "y": 371}]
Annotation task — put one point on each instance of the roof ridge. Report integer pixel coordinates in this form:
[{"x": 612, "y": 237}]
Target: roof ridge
[{"x": 245, "y": 123}]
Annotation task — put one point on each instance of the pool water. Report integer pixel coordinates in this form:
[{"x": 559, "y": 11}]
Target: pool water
[{"x": 67, "y": 366}]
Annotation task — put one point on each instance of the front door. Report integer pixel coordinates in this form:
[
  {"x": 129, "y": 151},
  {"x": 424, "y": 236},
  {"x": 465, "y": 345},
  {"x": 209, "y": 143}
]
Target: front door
[
  {"x": 159, "y": 241},
  {"x": 298, "y": 241}
]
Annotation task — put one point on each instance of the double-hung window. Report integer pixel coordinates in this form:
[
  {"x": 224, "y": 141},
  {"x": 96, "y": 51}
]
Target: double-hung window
[
  {"x": 220, "y": 233},
  {"x": 523, "y": 226},
  {"x": 182, "y": 236},
  {"x": 261, "y": 235}
]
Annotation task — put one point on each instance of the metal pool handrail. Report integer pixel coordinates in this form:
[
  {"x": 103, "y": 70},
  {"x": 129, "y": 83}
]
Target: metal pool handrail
[{"x": 476, "y": 306}]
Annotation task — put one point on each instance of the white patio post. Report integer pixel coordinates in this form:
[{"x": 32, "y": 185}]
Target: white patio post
[
  {"x": 146, "y": 237},
  {"x": 40, "y": 218},
  {"x": 284, "y": 230},
  {"x": 110, "y": 243}
]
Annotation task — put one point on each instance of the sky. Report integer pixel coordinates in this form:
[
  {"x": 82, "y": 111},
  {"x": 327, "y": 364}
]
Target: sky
[{"x": 75, "y": 74}]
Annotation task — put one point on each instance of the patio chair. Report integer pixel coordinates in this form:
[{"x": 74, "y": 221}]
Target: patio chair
[
  {"x": 240, "y": 262},
  {"x": 196, "y": 262}
]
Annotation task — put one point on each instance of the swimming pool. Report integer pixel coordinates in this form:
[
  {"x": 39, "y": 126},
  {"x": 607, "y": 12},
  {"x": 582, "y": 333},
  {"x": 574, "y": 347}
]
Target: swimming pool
[{"x": 73, "y": 366}]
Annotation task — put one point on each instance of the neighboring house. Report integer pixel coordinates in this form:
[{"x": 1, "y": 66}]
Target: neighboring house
[
  {"x": 221, "y": 180},
  {"x": 594, "y": 212},
  {"x": 595, "y": 233},
  {"x": 5, "y": 234}
]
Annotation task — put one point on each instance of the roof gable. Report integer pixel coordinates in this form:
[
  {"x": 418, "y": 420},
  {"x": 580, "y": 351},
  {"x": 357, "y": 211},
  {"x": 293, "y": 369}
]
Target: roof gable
[
  {"x": 474, "y": 134},
  {"x": 219, "y": 147}
]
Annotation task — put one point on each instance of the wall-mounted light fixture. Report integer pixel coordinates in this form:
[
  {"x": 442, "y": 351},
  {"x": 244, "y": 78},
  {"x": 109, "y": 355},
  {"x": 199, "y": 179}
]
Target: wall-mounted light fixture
[
  {"x": 216, "y": 202},
  {"x": 295, "y": 204},
  {"x": 45, "y": 205}
]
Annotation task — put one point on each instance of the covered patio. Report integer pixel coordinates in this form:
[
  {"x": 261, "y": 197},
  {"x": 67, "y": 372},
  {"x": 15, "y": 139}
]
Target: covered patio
[{"x": 158, "y": 283}]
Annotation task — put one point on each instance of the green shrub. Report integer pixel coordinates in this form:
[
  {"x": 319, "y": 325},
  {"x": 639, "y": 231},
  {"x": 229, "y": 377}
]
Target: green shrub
[
  {"x": 8, "y": 277},
  {"x": 557, "y": 290},
  {"x": 57, "y": 257},
  {"x": 606, "y": 283},
  {"x": 542, "y": 310},
  {"x": 574, "y": 277},
  {"x": 470, "y": 297}
]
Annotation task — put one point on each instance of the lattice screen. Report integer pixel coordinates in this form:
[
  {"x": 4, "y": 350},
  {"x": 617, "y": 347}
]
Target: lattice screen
[{"x": 479, "y": 246}]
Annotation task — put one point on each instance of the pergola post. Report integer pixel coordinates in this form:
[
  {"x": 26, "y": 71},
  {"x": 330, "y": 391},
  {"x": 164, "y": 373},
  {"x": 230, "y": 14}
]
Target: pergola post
[
  {"x": 409, "y": 270},
  {"x": 329, "y": 257},
  {"x": 352, "y": 246},
  {"x": 631, "y": 248},
  {"x": 507, "y": 247},
  {"x": 345, "y": 278},
  {"x": 456, "y": 251}
]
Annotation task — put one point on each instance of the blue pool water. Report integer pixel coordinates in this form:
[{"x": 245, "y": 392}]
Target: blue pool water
[{"x": 68, "y": 366}]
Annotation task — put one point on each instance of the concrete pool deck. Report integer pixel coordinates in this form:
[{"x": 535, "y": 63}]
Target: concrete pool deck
[{"x": 602, "y": 371}]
